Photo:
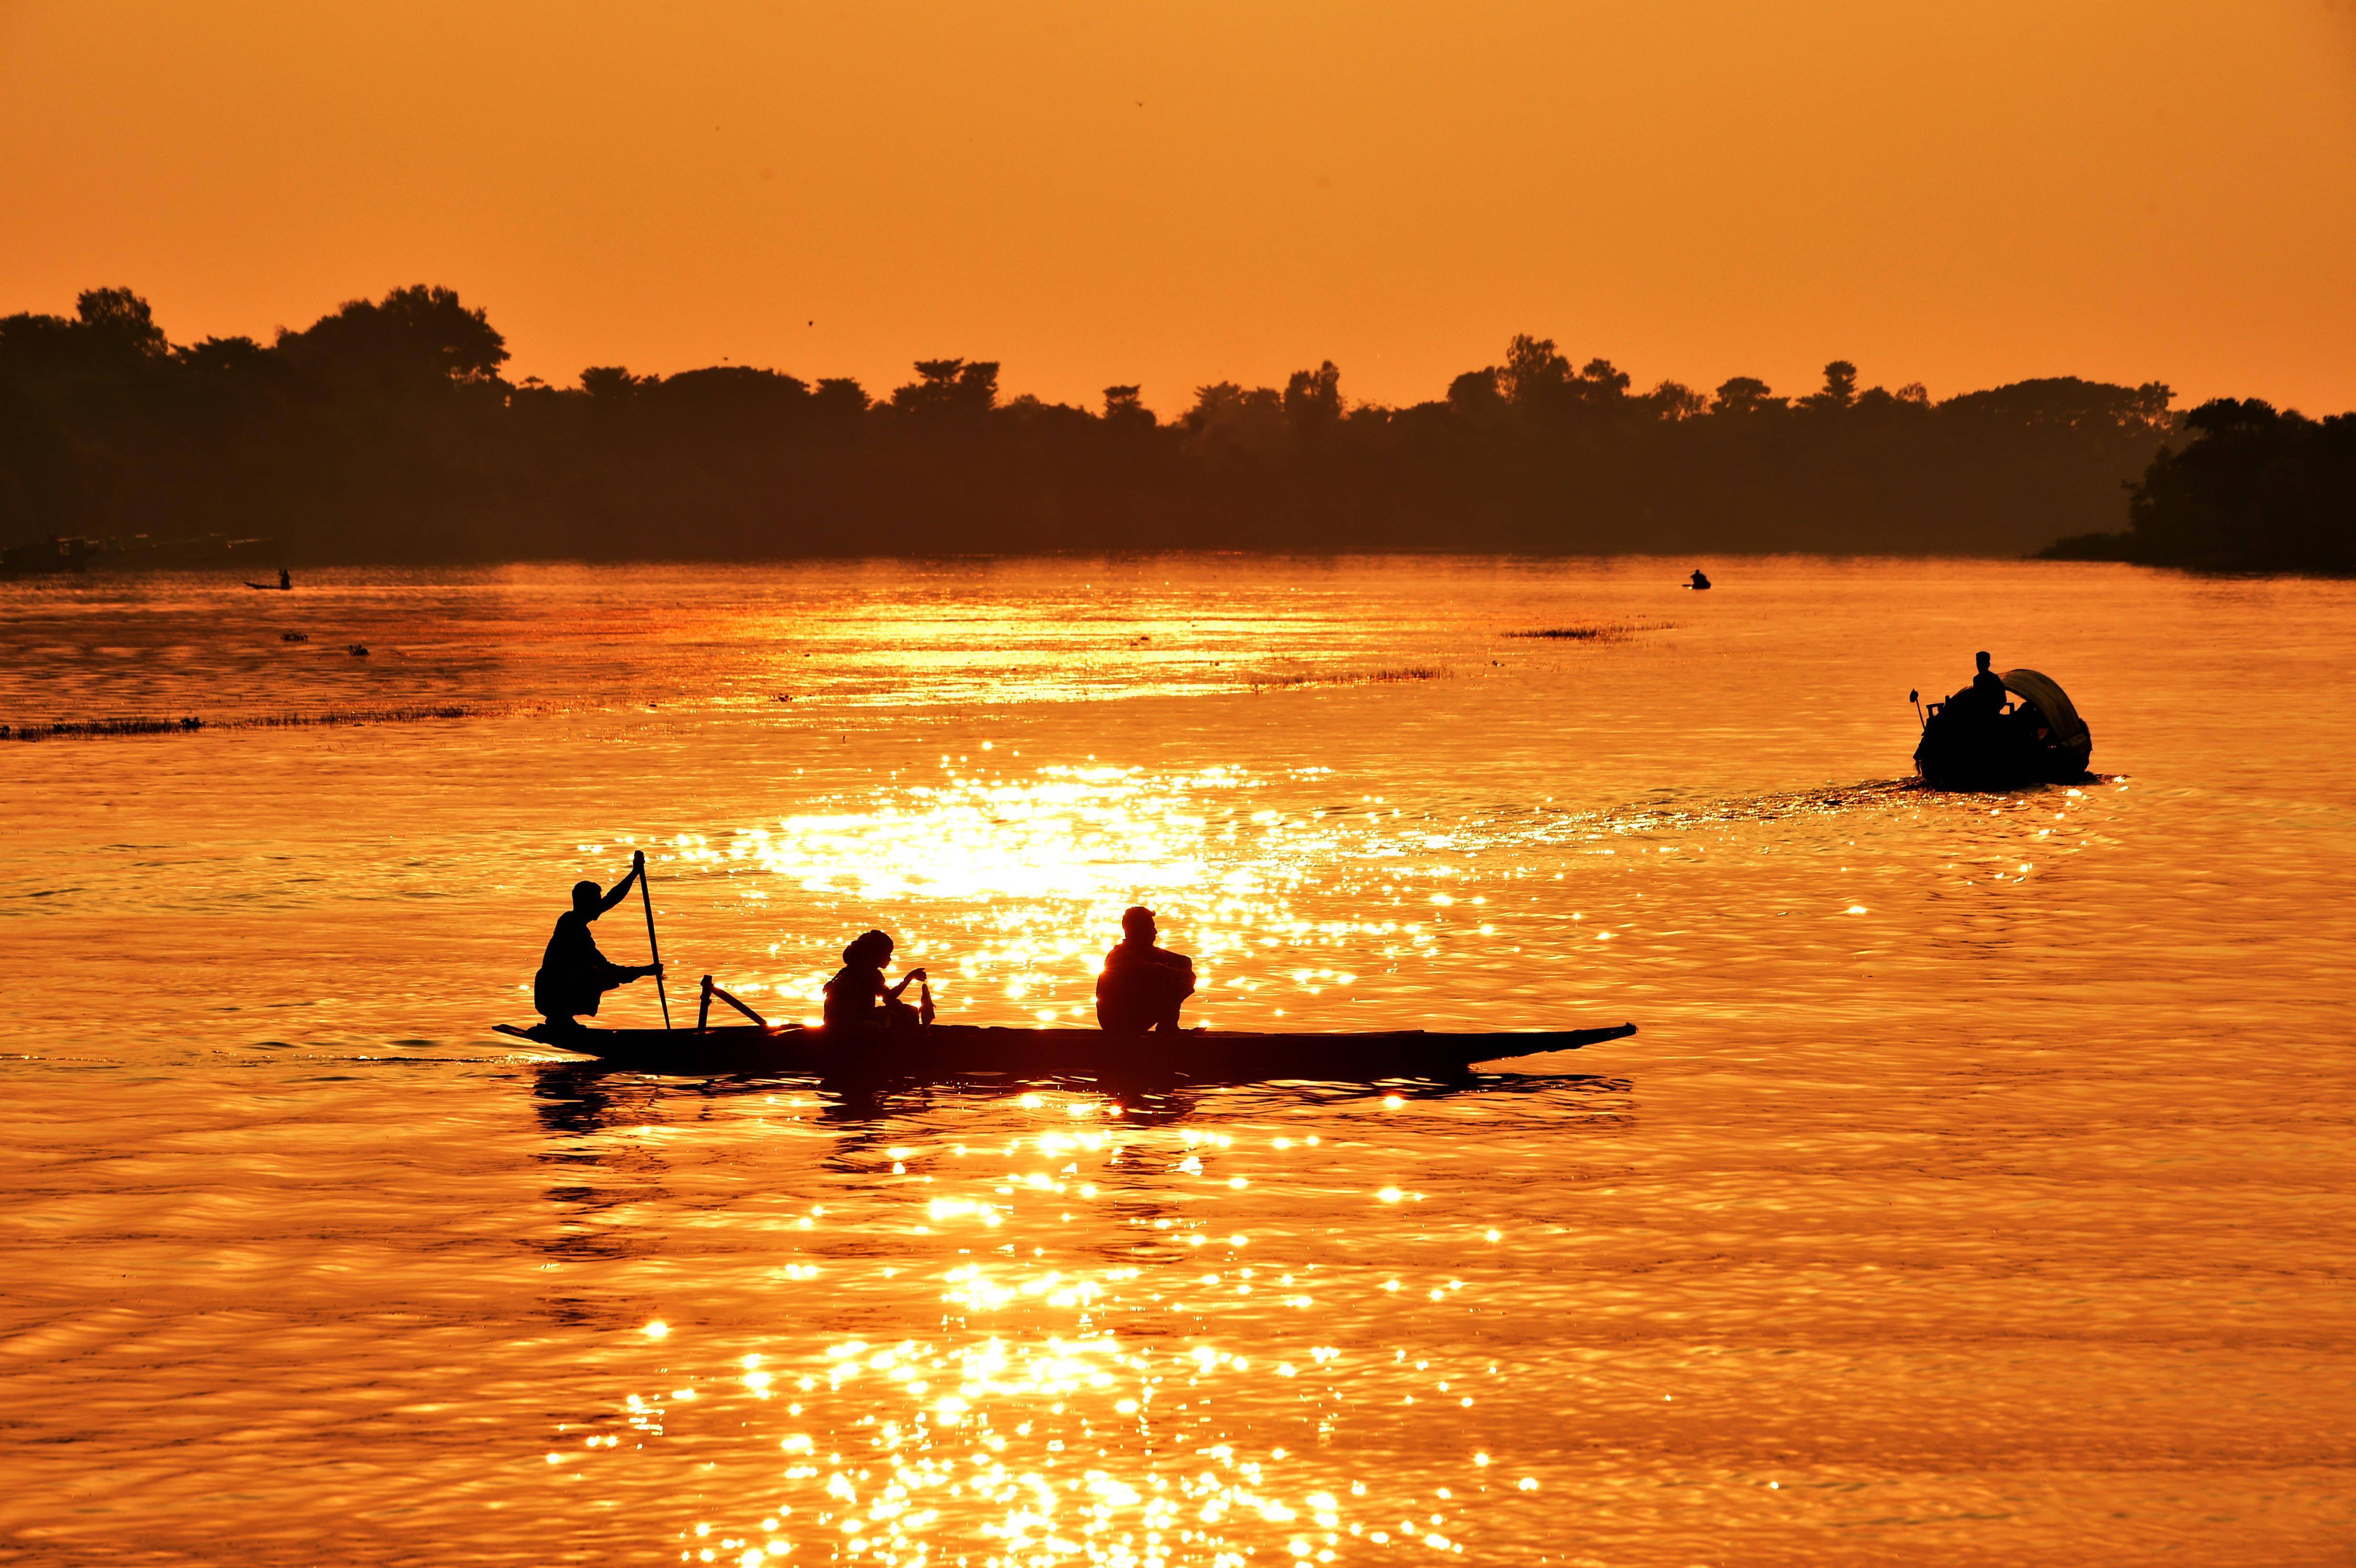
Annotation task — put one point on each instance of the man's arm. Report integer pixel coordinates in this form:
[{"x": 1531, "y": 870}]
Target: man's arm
[{"x": 622, "y": 889}]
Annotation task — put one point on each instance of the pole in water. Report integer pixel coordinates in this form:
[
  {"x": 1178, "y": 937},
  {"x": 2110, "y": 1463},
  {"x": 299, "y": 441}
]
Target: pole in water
[{"x": 655, "y": 951}]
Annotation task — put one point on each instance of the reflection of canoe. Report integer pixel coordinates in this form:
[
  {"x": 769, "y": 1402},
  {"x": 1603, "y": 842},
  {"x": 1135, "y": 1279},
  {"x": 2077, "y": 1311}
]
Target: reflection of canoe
[{"x": 948, "y": 1050}]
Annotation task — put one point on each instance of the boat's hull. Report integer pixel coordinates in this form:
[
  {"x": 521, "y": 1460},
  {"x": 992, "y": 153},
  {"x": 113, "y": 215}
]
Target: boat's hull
[
  {"x": 1995, "y": 755},
  {"x": 2040, "y": 740},
  {"x": 954, "y": 1051}
]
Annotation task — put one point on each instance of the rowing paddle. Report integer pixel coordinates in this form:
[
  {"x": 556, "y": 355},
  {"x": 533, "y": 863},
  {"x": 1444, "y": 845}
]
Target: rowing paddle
[{"x": 652, "y": 947}]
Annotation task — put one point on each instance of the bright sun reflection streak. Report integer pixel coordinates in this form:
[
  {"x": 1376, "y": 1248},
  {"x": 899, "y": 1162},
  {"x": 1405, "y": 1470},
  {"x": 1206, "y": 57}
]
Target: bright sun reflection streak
[
  {"x": 1024, "y": 1450},
  {"x": 1067, "y": 833},
  {"x": 1044, "y": 861},
  {"x": 1028, "y": 1431}
]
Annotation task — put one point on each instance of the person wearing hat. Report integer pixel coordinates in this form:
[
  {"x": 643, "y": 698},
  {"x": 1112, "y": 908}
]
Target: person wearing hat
[{"x": 1141, "y": 986}]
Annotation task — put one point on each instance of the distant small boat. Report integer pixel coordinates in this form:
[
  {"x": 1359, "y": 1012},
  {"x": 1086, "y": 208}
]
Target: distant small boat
[
  {"x": 953, "y": 1050},
  {"x": 272, "y": 587},
  {"x": 2039, "y": 740}
]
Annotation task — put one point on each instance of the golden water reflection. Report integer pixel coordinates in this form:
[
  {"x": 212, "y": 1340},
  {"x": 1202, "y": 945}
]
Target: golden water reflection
[
  {"x": 1145, "y": 1349},
  {"x": 1007, "y": 1445}
]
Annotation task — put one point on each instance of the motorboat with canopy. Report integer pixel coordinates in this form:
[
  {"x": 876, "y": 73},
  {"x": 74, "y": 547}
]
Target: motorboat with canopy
[{"x": 2036, "y": 739}]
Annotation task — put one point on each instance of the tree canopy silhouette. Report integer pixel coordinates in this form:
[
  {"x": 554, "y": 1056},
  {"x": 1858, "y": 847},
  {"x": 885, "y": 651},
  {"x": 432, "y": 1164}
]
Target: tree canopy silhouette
[
  {"x": 387, "y": 430},
  {"x": 413, "y": 340},
  {"x": 2254, "y": 490}
]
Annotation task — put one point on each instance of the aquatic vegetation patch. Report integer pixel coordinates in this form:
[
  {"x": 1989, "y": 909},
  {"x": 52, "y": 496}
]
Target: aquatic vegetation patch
[
  {"x": 1278, "y": 682},
  {"x": 92, "y": 729},
  {"x": 100, "y": 727}
]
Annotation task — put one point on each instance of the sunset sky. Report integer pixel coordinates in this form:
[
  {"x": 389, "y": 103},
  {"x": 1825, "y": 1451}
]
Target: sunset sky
[{"x": 1958, "y": 193}]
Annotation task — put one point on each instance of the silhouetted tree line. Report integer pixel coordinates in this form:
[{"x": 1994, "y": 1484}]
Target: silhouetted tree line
[
  {"x": 2256, "y": 490},
  {"x": 386, "y": 432}
]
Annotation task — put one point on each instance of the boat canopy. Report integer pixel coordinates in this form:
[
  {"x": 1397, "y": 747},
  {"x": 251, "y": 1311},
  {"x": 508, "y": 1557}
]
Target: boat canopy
[{"x": 2046, "y": 695}]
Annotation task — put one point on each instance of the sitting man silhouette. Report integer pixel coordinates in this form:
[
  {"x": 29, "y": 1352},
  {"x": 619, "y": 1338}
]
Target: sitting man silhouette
[
  {"x": 857, "y": 997},
  {"x": 574, "y": 975},
  {"x": 1985, "y": 696},
  {"x": 1142, "y": 986}
]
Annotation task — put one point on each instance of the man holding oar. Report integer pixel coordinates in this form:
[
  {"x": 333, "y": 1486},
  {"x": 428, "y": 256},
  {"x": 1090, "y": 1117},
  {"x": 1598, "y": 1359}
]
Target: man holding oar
[{"x": 574, "y": 975}]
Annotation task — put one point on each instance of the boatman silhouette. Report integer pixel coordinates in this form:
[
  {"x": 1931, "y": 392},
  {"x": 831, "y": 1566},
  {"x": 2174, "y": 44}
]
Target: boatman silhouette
[
  {"x": 574, "y": 975},
  {"x": 1985, "y": 696},
  {"x": 1142, "y": 987}
]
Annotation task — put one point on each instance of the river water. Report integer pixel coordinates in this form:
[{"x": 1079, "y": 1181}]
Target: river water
[{"x": 1977, "y": 1190}]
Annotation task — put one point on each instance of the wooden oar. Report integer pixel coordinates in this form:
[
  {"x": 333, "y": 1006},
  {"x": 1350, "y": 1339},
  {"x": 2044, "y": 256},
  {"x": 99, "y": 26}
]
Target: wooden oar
[{"x": 652, "y": 946}]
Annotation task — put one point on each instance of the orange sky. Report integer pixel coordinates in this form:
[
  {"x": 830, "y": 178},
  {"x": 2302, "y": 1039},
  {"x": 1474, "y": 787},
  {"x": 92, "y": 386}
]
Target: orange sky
[{"x": 1962, "y": 193}]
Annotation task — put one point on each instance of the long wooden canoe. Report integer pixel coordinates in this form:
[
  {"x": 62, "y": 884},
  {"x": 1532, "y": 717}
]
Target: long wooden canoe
[{"x": 953, "y": 1050}]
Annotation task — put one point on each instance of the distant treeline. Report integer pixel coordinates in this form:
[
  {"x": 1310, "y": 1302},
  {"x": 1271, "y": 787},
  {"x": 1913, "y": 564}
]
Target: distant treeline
[
  {"x": 2256, "y": 490},
  {"x": 385, "y": 431}
]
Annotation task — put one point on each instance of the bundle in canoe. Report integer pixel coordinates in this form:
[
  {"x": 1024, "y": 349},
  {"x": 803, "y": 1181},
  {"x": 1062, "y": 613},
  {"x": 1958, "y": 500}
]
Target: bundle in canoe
[{"x": 952, "y": 1051}]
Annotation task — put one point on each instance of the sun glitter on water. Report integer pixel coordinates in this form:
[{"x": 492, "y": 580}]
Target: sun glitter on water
[
  {"x": 1041, "y": 1451},
  {"x": 1033, "y": 869},
  {"x": 1067, "y": 1412}
]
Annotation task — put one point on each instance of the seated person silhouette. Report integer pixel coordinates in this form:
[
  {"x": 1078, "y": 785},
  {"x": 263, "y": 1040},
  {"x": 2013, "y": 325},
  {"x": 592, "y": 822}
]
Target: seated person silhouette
[
  {"x": 574, "y": 975},
  {"x": 1699, "y": 579},
  {"x": 1983, "y": 699},
  {"x": 1142, "y": 986},
  {"x": 857, "y": 997}
]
